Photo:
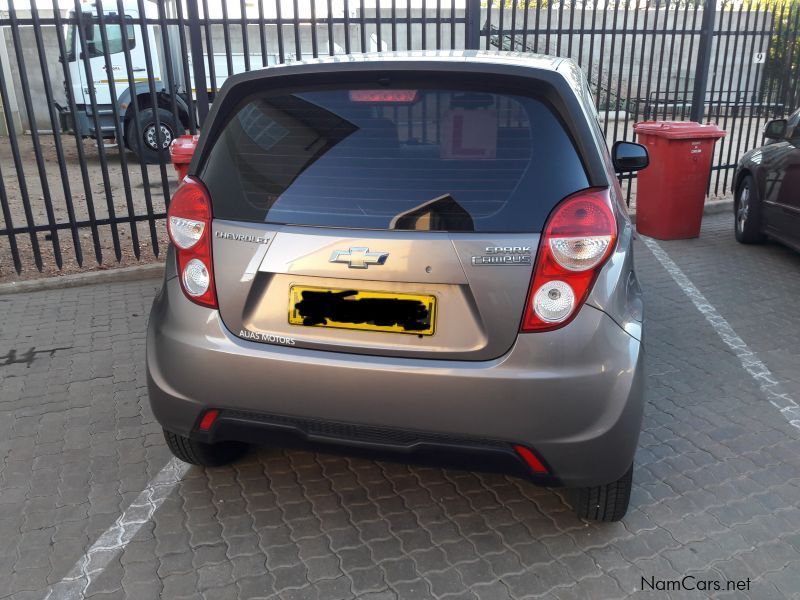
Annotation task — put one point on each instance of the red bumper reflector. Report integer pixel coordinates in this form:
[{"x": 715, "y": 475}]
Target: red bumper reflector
[
  {"x": 530, "y": 458},
  {"x": 208, "y": 419}
]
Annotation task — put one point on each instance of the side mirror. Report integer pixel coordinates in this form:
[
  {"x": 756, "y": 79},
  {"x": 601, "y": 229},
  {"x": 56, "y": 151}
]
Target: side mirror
[
  {"x": 628, "y": 156},
  {"x": 775, "y": 129}
]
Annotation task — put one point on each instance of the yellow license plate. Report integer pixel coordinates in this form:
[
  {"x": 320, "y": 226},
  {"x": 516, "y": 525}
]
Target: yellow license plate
[{"x": 367, "y": 311}]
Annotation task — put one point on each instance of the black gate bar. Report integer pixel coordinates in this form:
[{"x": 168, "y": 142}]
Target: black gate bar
[
  {"x": 198, "y": 61},
  {"x": 148, "y": 198},
  {"x": 37, "y": 148},
  {"x": 60, "y": 159},
  {"x": 703, "y": 61},
  {"x": 119, "y": 136}
]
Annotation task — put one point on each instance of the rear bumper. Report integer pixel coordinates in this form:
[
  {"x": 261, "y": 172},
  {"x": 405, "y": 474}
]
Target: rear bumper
[
  {"x": 388, "y": 443},
  {"x": 574, "y": 395}
]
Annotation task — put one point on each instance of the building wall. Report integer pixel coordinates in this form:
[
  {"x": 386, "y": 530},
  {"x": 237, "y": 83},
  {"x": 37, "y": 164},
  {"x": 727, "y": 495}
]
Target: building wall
[{"x": 33, "y": 72}]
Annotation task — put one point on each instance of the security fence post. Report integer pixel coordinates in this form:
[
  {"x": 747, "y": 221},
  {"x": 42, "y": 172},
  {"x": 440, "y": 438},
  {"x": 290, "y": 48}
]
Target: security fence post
[
  {"x": 703, "y": 61},
  {"x": 198, "y": 60},
  {"x": 473, "y": 25}
]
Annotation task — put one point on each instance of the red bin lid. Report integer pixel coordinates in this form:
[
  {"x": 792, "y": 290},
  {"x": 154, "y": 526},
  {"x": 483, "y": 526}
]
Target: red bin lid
[
  {"x": 182, "y": 148},
  {"x": 679, "y": 130}
]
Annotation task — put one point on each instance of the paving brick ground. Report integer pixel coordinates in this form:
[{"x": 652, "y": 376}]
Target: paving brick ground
[{"x": 717, "y": 491}]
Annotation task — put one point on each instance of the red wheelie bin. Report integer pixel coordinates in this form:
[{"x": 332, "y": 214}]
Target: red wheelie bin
[
  {"x": 670, "y": 193},
  {"x": 180, "y": 151}
]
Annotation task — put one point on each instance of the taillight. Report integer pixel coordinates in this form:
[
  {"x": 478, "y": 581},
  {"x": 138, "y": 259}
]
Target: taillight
[
  {"x": 577, "y": 239},
  {"x": 189, "y": 227}
]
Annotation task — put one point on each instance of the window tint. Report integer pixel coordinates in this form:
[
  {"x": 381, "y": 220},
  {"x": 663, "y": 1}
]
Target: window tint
[{"x": 445, "y": 160}]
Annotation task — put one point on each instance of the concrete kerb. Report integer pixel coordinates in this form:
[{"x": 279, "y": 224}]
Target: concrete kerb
[
  {"x": 113, "y": 275},
  {"x": 715, "y": 207},
  {"x": 712, "y": 207},
  {"x": 156, "y": 270}
]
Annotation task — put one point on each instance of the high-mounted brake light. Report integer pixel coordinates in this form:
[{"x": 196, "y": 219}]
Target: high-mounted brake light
[
  {"x": 385, "y": 96},
  {"x": 577, "y": 239},
  {"x": 189, "y": 228}
]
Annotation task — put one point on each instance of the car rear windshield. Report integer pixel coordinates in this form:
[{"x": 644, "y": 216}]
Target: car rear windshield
[{"x": 412, "y": 159}]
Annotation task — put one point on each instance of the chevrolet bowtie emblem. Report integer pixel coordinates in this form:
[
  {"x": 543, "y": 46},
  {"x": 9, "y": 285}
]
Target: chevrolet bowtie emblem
[{"x": 359, "y": 258}]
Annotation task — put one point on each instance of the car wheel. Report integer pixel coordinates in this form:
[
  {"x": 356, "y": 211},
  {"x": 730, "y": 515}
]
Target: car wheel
[
  {"x": 146, "y": 129},
  {"x": 748, "y": 212},
  {"x": 202, "y": 454},
  {"x": 607, "y": 502}
]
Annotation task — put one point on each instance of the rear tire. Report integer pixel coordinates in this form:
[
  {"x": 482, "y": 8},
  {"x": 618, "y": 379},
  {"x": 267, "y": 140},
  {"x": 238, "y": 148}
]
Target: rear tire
[
  {"x": 607, "y": 502},
  {"x": 747, "y": 208},
  {"x": 146, "y": 128},
  {"x": 202, "y": 454}
]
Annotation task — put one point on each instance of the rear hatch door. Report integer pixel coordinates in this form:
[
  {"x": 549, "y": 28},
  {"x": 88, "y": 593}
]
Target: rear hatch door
[{"x": 384, "y": 220}]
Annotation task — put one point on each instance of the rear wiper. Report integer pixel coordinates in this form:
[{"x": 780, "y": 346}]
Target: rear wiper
[{"x": 443, "y": 213}]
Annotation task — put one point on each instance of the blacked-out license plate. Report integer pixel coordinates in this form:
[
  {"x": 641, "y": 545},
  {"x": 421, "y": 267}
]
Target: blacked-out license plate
[{"x": 363, "y": 310}]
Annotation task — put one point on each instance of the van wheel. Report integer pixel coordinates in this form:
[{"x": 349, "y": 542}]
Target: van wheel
[
  {"x": 145, "y": 128},
  {"x": 607, "y": 502},
  {"x": 748, "y": 212},
  {"x": 202, "y": 454}
]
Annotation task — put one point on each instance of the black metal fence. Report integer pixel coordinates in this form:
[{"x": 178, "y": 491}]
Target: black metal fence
[{"x": 90, "y": 97}]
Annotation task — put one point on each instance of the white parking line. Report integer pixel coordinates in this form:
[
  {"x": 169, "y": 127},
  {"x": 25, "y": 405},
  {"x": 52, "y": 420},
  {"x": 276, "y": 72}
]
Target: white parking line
[
  {"x": 773, "y": 390},
  {"x": 113, "y": 541}
]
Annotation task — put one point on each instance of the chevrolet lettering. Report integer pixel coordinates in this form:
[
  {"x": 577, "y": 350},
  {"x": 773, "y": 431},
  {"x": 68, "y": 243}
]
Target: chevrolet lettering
[{"x": 241, "y": 237}]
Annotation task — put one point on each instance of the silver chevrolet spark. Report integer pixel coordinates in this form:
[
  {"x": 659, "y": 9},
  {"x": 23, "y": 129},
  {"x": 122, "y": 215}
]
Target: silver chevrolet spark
[{"x": 423, "y": 256}]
